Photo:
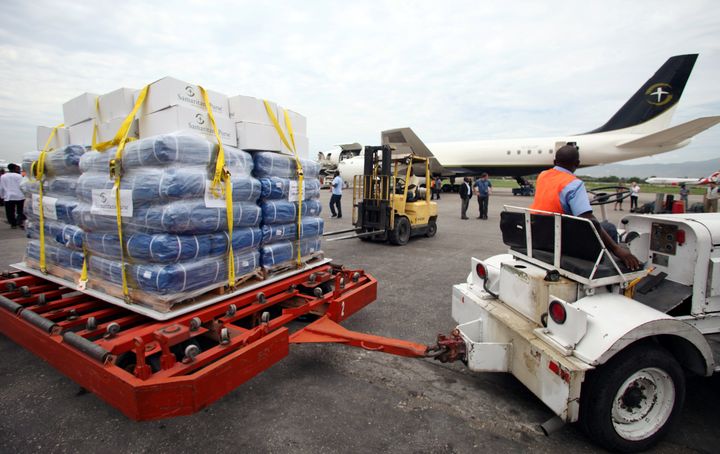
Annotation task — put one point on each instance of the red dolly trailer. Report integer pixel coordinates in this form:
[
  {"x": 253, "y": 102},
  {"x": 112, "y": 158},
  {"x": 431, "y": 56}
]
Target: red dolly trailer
[{"x": 152, "y": 369}]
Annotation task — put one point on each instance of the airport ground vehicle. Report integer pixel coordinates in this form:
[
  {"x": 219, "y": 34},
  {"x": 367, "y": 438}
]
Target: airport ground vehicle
[
  {"x": 387, "y": 204},
  {"x": 598, "y": 344}
]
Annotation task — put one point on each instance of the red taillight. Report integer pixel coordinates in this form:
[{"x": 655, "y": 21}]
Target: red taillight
[
  {"x": 557, "y": 312},
  {"x": 680, "y": 237},
  {"x": 481, "y": 271}
]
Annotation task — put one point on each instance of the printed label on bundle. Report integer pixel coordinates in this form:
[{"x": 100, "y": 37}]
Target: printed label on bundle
[
  {"x": 103, "y": 202},
  {"x": 293, "y": 193},
  {"x": 211, "y": 201},
  {"x": 49, "y": 210}
]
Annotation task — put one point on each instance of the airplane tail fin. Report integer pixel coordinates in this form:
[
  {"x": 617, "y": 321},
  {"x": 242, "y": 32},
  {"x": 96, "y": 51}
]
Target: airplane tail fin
[{"x": 656, "y": 97}]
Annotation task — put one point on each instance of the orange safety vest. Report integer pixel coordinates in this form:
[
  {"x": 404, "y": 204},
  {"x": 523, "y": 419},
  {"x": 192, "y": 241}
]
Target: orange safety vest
[{"x": 548, "y": 187}]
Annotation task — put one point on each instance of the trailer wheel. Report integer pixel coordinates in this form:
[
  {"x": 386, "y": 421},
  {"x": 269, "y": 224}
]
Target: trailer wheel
[
  {"x": 629, "y": 403},
  {"x": 400, "y": 235},
  {"x": 431, "y": 229}
]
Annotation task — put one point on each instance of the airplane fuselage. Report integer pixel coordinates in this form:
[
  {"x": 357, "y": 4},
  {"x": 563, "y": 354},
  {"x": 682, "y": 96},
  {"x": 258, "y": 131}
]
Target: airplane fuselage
[{"x": 513, "y": 157}]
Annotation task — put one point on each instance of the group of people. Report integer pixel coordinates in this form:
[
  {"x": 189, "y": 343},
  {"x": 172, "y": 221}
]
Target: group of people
[
  {"x": 634, "y": 195},
  {"x": 11, "y": 196},
  {"x": 482, "y": 188}
]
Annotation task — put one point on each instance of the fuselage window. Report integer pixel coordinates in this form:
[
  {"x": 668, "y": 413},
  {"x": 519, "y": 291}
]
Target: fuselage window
[
  {"x": 508, "y": 152},
  {"x": 529, "y": 151},
  {"x": 550, "y": 151},
  {"x": 518, "y": 152},
  {"x": 539, "y": 151}
]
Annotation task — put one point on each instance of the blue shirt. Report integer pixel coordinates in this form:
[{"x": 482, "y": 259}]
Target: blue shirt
[
  {"x": 483, "y": 187},
  {"x": 337, "y": 185},
  {"x": 573, "y": 197}
]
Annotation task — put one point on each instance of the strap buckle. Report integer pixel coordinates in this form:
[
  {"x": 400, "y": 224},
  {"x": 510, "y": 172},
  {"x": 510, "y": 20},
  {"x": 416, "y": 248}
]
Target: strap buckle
[{"x": 115, "y": 168}]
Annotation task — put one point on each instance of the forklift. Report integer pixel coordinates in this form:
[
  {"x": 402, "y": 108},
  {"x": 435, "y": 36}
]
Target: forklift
[{"x": 387, "y": 204}]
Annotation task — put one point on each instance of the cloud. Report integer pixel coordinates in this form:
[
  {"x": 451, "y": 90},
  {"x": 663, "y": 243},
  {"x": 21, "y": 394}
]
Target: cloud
[{"x": 452, "y": 71}]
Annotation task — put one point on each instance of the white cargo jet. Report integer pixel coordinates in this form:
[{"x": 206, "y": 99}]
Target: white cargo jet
[
  {"x": 714, "y": 178},
  {"x": 639, "y": 128}
]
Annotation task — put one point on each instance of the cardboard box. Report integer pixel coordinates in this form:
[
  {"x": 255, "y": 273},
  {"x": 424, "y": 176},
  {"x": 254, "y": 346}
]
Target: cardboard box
[
  {"x": 298, "y": 122},
  {"x": 302, "y": 144},
  {"x": 117, "y": 104},
  {"x": 80, "y": 109},
  {"x": 254, "y": 136},
  {"x": 250, "y": 110},
  {"x": 81, "y": 133},
  {"x": 60, "y": 139},
  {"x": 168, "y": 92},
  {"x": 108, "y": 129},
  {"x": 179, "y": 118}
]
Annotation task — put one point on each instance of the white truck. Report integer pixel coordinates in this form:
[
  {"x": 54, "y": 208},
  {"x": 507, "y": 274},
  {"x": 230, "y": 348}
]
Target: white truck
[{"x": 599, "y": 345}]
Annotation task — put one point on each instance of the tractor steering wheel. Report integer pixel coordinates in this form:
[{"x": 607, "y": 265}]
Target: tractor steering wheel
[{"x": 602, "y": 197}]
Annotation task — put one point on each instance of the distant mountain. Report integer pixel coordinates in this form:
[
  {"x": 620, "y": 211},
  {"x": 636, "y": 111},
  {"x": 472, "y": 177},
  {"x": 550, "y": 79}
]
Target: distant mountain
[{"x": 694, "y": 169}]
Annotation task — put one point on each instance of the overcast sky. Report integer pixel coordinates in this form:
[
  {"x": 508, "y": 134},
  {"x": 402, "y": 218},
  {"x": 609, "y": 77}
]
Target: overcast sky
[{"x": 451, "y": 70}]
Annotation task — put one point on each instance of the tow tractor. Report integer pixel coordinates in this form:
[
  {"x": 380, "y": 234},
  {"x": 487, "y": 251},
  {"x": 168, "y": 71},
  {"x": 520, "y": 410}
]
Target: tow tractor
[
  {"x": 387, "y": 205},
  {"x": 597, "y": 343}
]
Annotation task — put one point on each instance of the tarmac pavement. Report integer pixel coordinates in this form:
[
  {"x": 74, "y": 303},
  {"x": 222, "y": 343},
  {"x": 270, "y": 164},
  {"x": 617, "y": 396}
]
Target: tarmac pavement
[{"x": 330, "y": 398}]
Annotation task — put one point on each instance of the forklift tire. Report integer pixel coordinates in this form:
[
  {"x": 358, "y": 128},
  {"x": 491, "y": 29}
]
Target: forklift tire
[
  {"x": 431, "y": 229},
  {"x": 629, "y": 403},
  {"x": 400, "y": 235}
]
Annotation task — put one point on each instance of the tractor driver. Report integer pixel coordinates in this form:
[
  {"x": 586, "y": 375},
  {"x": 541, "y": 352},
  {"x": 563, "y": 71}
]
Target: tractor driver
[{"x": 558, "y": 190}]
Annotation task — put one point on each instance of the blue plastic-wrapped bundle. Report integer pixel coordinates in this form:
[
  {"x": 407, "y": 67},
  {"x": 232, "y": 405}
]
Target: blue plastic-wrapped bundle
[
  {"x": 284, "y": 252},
  {"x": 176, "y": 279},
  {"x": 284, "y": 212},
  {"x": 58, "y": 209},
  {"x": 54, "y": 255},
  {"x": 276, "y": 188},
  {"x": 155, "y": 185},
  {"x": 66, "y": 235},
  {"x": 60, "y": 186},
  {"x": 169, "y": 248},
  {"x": 63, "y": 161},
  {"x": 310, "y": 227},
  {"x": 190, "y": 217},
  {"x": 169, "y": 149},
  {"x": 268, "y": 164}
]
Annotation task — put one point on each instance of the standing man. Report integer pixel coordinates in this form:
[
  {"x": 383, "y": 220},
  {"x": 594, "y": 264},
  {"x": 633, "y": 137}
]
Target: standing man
[
  {"x": 483, "y": 189},
  {"x": 558, "y": 190},
  {"x": 634, "y": 195},
  {"x": 2, "y": 201},
  {"x": 337, "y": 187},
  {"x": 13, "y": 196},
  {"x": 438, "y": 186},
  {"x": 465, "y": 194},
  {"x": 684, "y": 192}
]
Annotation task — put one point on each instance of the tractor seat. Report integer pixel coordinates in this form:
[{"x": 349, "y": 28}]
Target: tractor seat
[{"x": 580, "y": 247}]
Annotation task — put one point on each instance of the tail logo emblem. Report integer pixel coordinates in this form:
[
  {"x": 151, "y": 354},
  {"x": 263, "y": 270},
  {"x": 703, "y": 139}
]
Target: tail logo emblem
[{"x": 659, "y": 94}]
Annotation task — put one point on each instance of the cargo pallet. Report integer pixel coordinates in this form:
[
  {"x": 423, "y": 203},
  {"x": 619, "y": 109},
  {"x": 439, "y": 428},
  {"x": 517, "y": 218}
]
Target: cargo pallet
[{"x": 150, "y": 369}]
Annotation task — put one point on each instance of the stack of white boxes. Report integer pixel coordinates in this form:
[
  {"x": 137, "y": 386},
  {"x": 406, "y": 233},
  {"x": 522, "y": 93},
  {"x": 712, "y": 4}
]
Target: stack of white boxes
[
  {"x": 173, "y": 105},
  {"x": 83, "y": 113},
  {"x": 255, "y": 129},
  {"x": 60, "y": 139}
]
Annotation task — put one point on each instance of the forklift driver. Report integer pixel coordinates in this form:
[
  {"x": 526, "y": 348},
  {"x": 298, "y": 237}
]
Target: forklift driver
[{"x": 558, "y": 190}]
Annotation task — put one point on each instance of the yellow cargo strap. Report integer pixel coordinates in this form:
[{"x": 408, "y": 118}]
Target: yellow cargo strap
[
  {"x": 38, "y": 171},
  {"x": 116, "y": 174},
  {"x": 222, "y": 174},
  {"x": 122, "y": 133},
  {"x": 298, "y": 165},
  {"x": 95, "y": 123}
]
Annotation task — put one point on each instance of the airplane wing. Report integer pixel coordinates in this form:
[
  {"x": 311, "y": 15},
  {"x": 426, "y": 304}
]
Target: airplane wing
[
  {"x": 673, "y": 135},
  {"x": 404, "y": 141}
]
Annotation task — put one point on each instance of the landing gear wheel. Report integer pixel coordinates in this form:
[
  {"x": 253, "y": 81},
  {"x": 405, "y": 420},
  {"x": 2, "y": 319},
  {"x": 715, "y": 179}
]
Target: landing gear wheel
[
  {"x": 400, "y": 235},
  {"x": 431, "y": 229},
  {"x": 630, "y": 402}
]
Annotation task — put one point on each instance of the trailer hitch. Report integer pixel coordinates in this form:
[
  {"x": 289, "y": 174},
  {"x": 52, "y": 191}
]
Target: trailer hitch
[{"x": 449, "y": 348}]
